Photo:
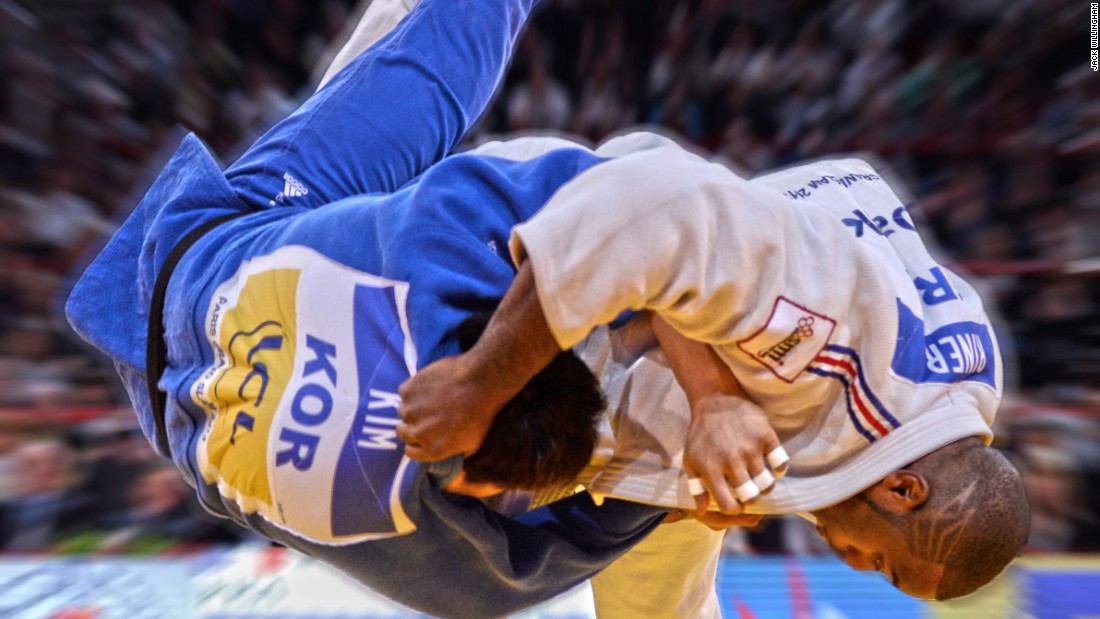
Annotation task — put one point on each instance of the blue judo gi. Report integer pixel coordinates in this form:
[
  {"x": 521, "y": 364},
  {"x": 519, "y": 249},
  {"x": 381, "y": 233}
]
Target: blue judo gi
[{"x": 344, "y": 267}]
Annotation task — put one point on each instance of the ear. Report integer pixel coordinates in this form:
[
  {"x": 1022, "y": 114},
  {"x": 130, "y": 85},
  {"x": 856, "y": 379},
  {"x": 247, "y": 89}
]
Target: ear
[
  {"x": 900, "y": 492},
  {"x": 478, "y": 490}
]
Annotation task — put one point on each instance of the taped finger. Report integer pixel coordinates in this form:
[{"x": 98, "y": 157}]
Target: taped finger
[
  {"x": 695, "y": 486},
  {"x": 764, "y": 480},
  {"x": 778, "y": 460},
  {"x": 746, "y": 491}
]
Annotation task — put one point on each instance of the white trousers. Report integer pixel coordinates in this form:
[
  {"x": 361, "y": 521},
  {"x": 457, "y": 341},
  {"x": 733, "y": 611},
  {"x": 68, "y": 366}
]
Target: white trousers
[{"x": 669, "y": 575}]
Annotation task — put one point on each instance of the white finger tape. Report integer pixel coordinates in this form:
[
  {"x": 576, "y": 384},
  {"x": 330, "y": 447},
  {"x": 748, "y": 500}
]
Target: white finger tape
[
  {"x": 778, "y": 458},
  {"x": 695, "y": 486},
  {"x": 746, "y": 491},
  {"x": 764, "y": 480}
]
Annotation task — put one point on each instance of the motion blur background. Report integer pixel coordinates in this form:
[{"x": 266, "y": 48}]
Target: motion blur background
[{"x": 986, "y": 109}]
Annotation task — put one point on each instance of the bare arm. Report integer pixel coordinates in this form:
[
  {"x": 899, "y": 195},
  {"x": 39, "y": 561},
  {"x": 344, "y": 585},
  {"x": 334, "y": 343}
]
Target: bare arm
[
  {"x": 698, "y": 369},
  {"x": 729, "y": 438},
  {"x": 448, "y": 406}
]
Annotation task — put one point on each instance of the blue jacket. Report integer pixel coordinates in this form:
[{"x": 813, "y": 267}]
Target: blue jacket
[{"x": 288, "y": 331}]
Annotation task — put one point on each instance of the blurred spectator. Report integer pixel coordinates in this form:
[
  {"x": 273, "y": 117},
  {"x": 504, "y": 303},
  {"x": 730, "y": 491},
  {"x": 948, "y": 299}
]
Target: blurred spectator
[
  {"x": 47, "y": 506},
  {"x": 162, "y": 514},
  {"x": 540, "y": 102},
  {"x": 115, "y": 456},
  {"x": 1059, "y": 457},
  {"x": 600, "y": 110},
  {"x": 40, "y": 368},
  {"x": 10, "y": 475}
]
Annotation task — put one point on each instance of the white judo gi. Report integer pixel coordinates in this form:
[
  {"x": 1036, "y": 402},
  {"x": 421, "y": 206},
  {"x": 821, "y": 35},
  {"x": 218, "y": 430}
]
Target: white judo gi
[{"x": 815, "y": 289}]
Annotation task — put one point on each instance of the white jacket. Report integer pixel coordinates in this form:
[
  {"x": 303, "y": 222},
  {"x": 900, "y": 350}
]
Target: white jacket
[{"x": 812, "y": 285}]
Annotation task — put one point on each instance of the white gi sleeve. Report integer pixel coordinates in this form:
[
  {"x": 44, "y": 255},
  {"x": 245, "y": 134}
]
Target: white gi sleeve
[{"x": 667, "y": 231}]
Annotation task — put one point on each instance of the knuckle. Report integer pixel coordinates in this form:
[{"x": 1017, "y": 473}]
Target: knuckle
[
  {"x": 732, "y": 470},
  {"x": 706, "y": 468}
]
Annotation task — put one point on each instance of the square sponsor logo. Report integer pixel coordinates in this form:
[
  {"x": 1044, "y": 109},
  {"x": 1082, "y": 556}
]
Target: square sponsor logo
[{"x": 792, "y": 337}]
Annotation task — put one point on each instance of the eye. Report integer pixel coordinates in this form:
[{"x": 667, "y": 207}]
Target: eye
[{"x": 879, "y": 564}]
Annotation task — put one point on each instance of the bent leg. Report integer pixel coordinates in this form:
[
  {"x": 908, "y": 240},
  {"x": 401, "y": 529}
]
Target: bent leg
[
  {"x": 394, "y": 110},
  {"x": 669, "y": 575},
  {"x": 376, "y": 21}
]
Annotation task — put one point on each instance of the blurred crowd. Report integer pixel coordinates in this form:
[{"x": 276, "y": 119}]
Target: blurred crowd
[{"x": 985, "y": 110}]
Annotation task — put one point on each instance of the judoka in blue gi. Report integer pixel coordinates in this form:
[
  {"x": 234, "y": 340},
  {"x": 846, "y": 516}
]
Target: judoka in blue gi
[{"x": 263, "y": 317}]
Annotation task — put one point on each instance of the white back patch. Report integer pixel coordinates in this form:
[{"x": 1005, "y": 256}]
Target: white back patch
[{"x": 791, "y": 339}]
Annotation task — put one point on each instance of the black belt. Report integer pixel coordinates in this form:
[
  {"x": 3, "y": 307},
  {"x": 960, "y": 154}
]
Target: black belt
[{"x": 156, "y": 352}]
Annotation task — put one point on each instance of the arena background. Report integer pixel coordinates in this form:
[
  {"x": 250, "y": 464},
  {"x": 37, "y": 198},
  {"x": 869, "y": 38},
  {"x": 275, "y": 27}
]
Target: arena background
[{"x": 987, "y": 109}]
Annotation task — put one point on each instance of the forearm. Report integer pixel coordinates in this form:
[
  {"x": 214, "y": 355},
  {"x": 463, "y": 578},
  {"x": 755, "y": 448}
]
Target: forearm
[
  {"x": 729, "y": 437},
  {"x": 516, "y": 345},
  {"x": 699, "y": 370},
  {"x": 448, "y": 406}
]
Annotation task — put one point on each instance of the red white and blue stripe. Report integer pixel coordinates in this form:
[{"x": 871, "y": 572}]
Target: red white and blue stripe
[{"x": 866, "y": 411}]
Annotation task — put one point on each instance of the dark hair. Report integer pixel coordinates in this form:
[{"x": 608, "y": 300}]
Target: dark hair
[
  {"x": 544, "y": 436},
  {"x": 976, "y": 519}
]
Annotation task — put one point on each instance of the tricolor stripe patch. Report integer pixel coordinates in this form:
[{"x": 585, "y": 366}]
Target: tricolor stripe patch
[{"x": 866, "y": 411}]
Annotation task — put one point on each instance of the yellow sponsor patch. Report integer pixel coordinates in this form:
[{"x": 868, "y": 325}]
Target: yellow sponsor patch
[
  {"x": 244, "y": 392},
  {"x": 301, "y": 396}
]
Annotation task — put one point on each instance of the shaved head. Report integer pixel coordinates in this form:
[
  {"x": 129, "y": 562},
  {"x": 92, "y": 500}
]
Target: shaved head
[
  {"x": 940, "y": 528},
  {"x": 976, "y": 519}
]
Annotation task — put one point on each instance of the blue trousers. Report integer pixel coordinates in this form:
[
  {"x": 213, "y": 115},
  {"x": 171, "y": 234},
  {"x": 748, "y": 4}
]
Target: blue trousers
[{"x": 395, "y": 110}]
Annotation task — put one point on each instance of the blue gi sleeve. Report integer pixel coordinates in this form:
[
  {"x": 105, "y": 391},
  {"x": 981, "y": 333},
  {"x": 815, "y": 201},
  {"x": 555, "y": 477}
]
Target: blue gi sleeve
[
  {"x": 398, "y": 108},
  {"x": 448, "y": 233}
]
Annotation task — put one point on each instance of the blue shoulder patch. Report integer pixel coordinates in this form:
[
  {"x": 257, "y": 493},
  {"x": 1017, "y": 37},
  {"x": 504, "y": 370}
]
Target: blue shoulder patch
[
  {"x": 960, "y": 351},
  {"x": 371, "y": 469}
]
